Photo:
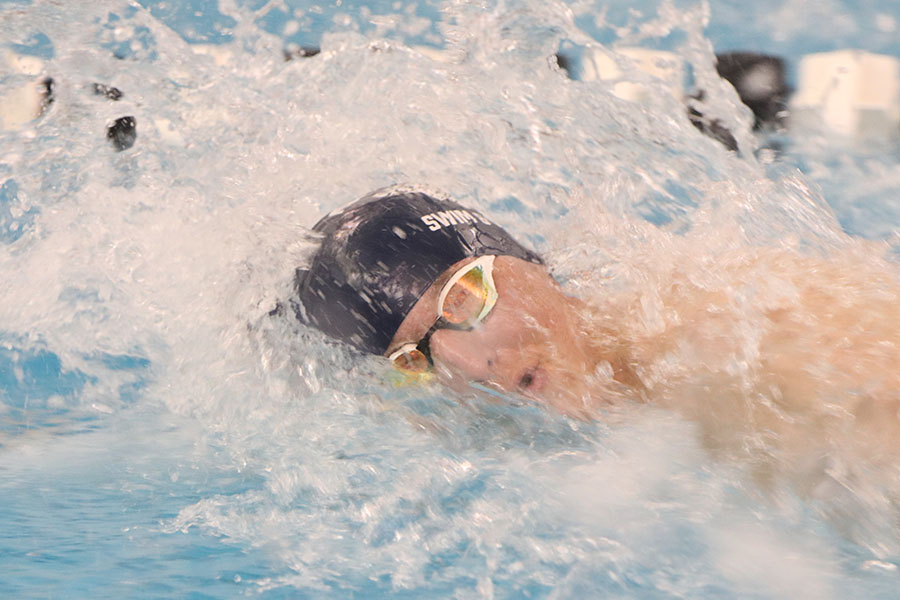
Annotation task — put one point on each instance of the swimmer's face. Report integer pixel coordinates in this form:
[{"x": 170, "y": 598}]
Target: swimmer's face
[{"x": 530, "y": 342}]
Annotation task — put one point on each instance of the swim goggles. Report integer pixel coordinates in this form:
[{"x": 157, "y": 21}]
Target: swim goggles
[{"x": 465, "y": 300}]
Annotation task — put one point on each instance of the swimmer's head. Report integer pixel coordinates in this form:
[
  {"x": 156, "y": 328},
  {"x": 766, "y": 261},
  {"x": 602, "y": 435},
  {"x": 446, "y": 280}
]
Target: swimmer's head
[
  {"x": 379, "y": 255},
  {"x": 439, "y": 289}
]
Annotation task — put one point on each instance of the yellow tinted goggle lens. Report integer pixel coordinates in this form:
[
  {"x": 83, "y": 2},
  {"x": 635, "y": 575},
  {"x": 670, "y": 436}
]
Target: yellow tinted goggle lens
[
  {"x": 464, "y": 301},
  {"x": 466, "y": 298},
  {"x": 410, "y": 360}
]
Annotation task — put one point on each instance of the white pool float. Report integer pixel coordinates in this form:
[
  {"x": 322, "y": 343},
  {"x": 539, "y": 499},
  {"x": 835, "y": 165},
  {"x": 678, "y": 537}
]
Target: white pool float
[{"x": 851, "y": 92}]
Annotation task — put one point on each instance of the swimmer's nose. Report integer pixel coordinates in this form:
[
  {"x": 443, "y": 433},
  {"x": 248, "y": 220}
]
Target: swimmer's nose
[
  {"x": 510, "y": 364},
  {"x": 463, "y": 353}
]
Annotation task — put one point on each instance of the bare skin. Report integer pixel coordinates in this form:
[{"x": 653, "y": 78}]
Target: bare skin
[
  {"x": 533, "y": 342},
  {"x": 771, "y": 353},
  {"x": 782, "y": 356}
]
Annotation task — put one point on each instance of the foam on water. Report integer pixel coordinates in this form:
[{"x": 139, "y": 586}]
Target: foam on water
[{"x": 153, "y": 411}]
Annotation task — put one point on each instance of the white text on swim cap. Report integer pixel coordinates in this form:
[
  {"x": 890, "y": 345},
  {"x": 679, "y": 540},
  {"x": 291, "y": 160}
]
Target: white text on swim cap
[{"x": 445, "y": 218}]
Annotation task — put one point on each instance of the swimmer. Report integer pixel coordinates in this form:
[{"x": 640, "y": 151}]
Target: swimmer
[
  {"x": 762, "y": 343},
  {"x": 439, "y": 289}
]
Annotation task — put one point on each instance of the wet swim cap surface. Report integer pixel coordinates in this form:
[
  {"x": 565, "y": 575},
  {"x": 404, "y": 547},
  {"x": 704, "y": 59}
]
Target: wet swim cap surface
[{"x": 380, "y": 254}]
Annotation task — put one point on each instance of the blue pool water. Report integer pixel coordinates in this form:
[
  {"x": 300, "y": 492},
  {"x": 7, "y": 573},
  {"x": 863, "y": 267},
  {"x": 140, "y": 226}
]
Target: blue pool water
[{"x": 162, "y": 436}]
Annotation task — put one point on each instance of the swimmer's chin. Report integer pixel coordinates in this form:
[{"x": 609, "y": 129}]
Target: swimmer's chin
[
  {"x": 564, "y": 393},
  {"x": 577, "y": 394},
  {"x": 569, "y": 392},
  {"x": 533, "y": 380}
]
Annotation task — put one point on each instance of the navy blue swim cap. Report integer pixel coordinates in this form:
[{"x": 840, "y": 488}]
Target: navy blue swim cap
[{"x": 379, "y": 255}]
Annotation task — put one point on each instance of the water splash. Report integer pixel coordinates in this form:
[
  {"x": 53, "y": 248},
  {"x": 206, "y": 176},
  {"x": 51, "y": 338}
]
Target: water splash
[{"x": 157, "y": 268}]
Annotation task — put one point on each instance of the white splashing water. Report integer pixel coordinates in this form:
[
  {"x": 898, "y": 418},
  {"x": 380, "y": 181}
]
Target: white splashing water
[{"x": 152, "y": 272}]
